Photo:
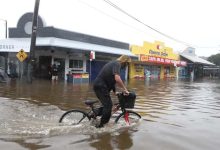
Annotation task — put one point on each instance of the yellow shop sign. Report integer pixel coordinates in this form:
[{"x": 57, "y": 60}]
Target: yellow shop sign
[{"x": 156, "y": 49}]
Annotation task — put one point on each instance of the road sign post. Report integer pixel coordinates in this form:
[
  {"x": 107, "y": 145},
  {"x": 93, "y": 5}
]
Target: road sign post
[{"x": 21, "y": 55}]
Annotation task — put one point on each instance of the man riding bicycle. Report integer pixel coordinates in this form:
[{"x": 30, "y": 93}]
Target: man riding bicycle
[{"x": 106, "y": 81}]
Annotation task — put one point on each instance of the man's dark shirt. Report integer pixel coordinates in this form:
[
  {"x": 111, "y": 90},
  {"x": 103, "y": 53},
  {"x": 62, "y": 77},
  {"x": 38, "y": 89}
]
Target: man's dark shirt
[
  {"x": 106, "y": 77},
  {"x": 54, "y": 70}
]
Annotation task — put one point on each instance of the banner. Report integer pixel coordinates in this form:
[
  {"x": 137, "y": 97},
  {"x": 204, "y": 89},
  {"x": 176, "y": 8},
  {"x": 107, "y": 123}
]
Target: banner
[{"x": 160, "y": 60}]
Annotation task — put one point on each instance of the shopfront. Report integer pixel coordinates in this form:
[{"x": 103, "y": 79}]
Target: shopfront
[
  {"x": 69, "y": 50},
  {"x": 156, "y": 61}
]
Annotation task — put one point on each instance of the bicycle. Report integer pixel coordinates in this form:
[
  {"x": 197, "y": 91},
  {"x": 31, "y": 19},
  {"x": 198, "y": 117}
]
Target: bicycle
[{"x": 125, "y": 116}]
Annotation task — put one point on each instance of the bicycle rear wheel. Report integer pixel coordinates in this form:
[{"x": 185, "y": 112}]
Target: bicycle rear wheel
[
  {"x": 128, "y": 118},
  {"x": 74, "y": 117}
]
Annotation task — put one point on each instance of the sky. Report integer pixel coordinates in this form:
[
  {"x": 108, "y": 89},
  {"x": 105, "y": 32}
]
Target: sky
[{"x": 185, "y": 23}]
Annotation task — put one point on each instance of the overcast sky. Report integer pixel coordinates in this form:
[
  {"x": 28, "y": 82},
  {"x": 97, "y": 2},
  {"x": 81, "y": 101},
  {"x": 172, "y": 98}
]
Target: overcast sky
[{"x": 188, "y": 22}]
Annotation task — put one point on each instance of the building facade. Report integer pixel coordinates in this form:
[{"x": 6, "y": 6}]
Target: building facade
[
  {"x": 196, "y": 66},
  {"x": 69, "y": 50},
  {"x": 156, "y": 61}
]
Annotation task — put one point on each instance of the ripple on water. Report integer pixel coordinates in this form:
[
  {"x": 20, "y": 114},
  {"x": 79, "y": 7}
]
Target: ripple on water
[
  {"x": 170, "y": 111},
  {"x": 22, "y": 118}
]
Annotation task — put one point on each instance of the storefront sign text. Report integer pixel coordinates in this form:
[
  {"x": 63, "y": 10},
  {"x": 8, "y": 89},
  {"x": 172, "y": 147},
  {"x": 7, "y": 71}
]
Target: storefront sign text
[
  {"x": 5, "y": 46},
  {"x": 162, "y": 60},
  {"x": 152, "y": 52}
]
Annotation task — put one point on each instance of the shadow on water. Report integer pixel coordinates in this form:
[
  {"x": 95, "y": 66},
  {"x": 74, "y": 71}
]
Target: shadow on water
[{"x": 170, "y": 109}]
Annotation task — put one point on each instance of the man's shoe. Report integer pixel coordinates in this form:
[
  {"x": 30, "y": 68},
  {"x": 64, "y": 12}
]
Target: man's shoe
[{"x": 99, "y": 126}]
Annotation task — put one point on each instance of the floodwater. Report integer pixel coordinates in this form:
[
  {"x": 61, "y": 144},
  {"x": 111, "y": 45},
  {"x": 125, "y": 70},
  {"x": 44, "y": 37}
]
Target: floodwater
[{"x": 176, "y": 115}]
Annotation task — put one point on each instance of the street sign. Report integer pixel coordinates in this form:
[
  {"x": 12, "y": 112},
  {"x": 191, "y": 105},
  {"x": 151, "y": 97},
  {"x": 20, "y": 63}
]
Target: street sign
[
  {"x": 21, "y": 55},
  {"x": 92, "y": 55}
]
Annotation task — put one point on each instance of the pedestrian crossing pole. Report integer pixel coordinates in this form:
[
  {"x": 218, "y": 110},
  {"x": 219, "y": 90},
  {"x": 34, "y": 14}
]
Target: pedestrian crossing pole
[{"x": 31, "y": 60}]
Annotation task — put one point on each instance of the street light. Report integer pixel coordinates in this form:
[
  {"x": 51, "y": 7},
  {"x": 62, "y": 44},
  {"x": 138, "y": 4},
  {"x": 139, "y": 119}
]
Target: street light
[
  {"x": 6, "y": 27},
  {"x": 6, "y": 36}
]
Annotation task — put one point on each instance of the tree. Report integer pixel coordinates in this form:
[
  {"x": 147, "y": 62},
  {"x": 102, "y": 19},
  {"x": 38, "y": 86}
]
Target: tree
[{"x": 215, "y": 59}]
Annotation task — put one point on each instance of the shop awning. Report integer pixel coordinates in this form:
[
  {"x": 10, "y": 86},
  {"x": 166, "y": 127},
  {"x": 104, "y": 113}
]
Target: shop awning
[
  {"x": 196, "y": 59},
  {"x": 16, "y": 44}
]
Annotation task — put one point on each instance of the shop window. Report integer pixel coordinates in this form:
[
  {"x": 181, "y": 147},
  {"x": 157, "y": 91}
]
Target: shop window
[{"x": 76, "y": 64}]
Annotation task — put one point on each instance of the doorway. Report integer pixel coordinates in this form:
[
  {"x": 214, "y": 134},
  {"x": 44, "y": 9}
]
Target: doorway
[
  {"x": 44, "y": 67},
  {"x": 60, "y": 62}
]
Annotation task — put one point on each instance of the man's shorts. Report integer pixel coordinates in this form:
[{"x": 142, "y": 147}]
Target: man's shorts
[{"x": 54, "y": 77}]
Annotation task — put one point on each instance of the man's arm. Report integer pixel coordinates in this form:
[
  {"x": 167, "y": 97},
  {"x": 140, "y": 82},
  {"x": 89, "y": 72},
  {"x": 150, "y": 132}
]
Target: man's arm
[{"x": 120, "y": 83}]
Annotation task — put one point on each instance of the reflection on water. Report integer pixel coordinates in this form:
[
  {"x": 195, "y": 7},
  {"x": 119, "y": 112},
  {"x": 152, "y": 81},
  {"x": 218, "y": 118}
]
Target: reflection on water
[
  {"x": 176, "y": 115},
  {"x": 109, "y": 142}
]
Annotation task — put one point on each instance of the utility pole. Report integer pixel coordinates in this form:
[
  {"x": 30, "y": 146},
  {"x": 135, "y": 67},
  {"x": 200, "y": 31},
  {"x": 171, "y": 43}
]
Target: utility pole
[{"x": 31, "y": 60}]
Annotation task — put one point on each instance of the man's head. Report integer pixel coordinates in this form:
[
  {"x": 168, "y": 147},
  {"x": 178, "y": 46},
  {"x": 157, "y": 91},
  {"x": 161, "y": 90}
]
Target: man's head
[{"x": 124, "y": 60}]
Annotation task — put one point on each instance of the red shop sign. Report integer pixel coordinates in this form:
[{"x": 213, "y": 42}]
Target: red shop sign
[{"x": 160, "y": 60}]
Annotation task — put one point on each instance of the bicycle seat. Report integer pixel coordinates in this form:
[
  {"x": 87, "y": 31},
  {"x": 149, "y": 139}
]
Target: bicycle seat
[{"x": 90, "y": 102}]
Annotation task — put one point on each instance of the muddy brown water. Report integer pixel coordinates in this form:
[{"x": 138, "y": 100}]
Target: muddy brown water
[{"x": 176, "y": 115}]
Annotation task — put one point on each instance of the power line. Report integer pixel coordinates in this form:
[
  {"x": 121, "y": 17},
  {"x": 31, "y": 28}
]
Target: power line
[
  {"x": 134, "y": 18},
  {"x": 138, "y": 20},
  {"x": 114, "y": 18},
  {"x": 206, "y": 47}
]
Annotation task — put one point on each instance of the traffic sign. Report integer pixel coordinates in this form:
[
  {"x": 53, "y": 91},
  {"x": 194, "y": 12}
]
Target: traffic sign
[{"x": 21, "y": 55}]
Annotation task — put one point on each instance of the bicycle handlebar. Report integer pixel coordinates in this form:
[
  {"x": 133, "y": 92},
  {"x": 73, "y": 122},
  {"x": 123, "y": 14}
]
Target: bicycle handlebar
[{"x": 120, "y": 93}]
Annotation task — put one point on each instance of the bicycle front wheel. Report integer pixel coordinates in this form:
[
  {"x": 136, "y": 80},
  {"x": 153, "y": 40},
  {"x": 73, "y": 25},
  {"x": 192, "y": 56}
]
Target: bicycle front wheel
[
  {"x": 74, "y": 117},
  {"x": 128, "y": 118}
]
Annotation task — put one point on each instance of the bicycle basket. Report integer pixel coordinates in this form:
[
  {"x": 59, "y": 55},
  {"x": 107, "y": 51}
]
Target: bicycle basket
[{"x": 127, "y": 101}]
